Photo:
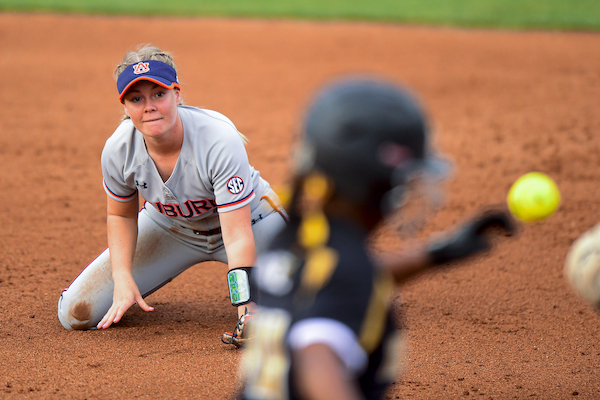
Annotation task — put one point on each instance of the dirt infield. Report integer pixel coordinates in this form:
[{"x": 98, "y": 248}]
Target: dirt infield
[{"x": 503, "y": 103}]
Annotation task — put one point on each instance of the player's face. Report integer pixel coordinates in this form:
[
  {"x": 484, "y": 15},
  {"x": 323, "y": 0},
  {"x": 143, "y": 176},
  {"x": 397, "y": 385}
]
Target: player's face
[{"x": 152, "y": 108}]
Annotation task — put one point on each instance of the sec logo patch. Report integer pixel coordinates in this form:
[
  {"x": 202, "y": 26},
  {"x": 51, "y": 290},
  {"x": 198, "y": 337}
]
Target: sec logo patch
[{"x": 235, "y": 185}]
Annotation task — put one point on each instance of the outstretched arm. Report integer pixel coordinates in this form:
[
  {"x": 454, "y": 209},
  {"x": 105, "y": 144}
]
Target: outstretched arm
[{"x": 469, "y": 239}]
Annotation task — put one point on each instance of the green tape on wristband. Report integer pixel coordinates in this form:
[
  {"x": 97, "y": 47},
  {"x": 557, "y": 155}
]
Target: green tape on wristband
[{"x": 238, "y": 280}]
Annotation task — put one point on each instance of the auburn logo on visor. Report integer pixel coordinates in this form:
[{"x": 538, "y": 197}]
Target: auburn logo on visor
[{"x": 141, "y": 68}]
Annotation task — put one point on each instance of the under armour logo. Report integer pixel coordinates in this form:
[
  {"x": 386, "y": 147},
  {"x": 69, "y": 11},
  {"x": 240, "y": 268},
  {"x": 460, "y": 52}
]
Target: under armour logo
[
  {"x": 141, "y": 185},
  {"x": 255, "y": 220},
  {"x": 141, "y": 68}
]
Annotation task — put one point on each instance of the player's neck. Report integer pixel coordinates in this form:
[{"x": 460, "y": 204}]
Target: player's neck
[{"x": 164, "y": 151}]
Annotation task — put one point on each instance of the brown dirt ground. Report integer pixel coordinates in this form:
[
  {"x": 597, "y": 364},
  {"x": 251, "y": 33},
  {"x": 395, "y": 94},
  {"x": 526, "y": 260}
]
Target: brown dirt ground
[{"x": 504, "y": 103}]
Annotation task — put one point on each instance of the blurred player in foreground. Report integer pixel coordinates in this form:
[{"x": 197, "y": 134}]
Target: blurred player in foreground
[
  {"x": 204, "y": 201},
  {"x": 582, "y": 266},
  {"x": 324, "y": 328}
]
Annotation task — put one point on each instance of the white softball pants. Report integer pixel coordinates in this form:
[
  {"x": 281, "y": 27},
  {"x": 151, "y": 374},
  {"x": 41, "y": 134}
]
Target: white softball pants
[{"x": 159, "y": 257}]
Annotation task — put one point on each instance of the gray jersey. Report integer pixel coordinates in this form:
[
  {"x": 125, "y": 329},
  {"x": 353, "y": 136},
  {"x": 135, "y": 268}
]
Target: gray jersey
[{"x": 212, "y": 173}]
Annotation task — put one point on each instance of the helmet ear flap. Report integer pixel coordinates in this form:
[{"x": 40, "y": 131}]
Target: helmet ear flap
[
  {"x": 393, "y": 199},
  {"x": 304, "y": 157}
]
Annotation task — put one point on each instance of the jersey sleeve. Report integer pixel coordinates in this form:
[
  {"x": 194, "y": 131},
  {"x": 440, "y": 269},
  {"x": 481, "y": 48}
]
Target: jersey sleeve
[
  {"x": 335, "y": 335},
  {"x": 113, "y": 164},
  {"x": 231, "y": 174}
]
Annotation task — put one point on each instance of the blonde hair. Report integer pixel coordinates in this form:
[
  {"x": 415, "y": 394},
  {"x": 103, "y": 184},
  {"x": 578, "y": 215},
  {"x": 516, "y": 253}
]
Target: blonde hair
[{"x": 145, "y": 52}]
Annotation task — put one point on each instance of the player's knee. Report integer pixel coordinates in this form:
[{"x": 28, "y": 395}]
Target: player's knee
[{"x": 75, "y": 315}]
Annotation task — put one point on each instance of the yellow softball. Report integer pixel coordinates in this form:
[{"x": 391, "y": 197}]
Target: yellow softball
[{"x": 533, "y": 197}]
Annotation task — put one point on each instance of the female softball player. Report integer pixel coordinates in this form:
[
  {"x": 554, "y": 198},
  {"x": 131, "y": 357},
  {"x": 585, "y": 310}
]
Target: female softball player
[
  {"x": 324, "y": 327},
  {"x": 203, "y": 200}
]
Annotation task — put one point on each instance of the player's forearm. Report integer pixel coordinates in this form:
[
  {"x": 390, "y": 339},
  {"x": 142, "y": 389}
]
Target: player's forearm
[
  {"x": 407, "y": 265},
  {"x": 122, "y": 239},
  {"x": 241, "y": 253},
  {"x": 470, "y": 238}
]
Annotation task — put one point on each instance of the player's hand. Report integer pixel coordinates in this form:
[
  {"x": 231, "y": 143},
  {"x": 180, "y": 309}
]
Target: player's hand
[
  {"x": 126, "y": 294},
  {"x": 471, "y": 238}
]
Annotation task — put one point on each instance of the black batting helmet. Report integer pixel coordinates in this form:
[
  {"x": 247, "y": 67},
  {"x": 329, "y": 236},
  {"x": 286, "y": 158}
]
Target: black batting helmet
[{"x": 368, "y": 136}]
